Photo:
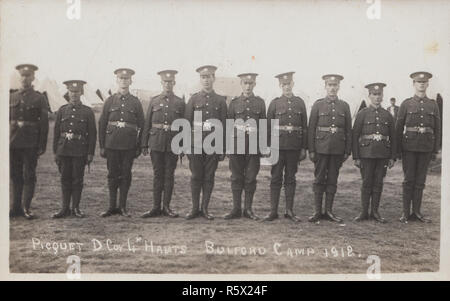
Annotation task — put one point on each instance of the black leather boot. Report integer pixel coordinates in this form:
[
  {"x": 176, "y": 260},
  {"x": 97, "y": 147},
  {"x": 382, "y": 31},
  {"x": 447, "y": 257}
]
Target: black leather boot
[
  {"x": 156, "y": 210},
  {"x": 16, "y": 209},
  {"x": 365, "y": 200},
  {"x": 289, "y": 213},
  {"x": 417, "y": 203},
  {"x": 195, "y": 192},
  {"x": 318, "y": 198},
  {"x": 76, "y": 198},
  {"x": 274, "y": 201},
  {"x": 28, "y": 193},
  {"x": 112, "y": 200},
  {"x": 206, "y": 197},
  {"x": 166, "y": 202},
  {"x": 65, "y": 203},
  {"x": 329, "y": 199},
  {"x": 248, "y": 201},
  {"x": 376, "y": 197},
  {"x": 236, "y": 212},
  {"x": 407, "y": 196}
]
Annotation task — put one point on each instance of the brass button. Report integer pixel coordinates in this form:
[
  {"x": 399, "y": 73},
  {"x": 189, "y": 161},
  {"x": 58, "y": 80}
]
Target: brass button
[{"x": 121, "y": 119}]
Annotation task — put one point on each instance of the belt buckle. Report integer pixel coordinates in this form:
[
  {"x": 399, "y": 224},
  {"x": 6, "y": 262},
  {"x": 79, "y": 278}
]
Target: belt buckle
[
  {"x": 333, "y": 129},
  {"x": 376, "y": 137},
  {"x": 69, "y": 136},
  {"x": 421, "y": 129},
  {"x": 166, "y": 127},
  {"x": 289, "y": 128},
  {"x": 20, "y": 123},
  {"x": 207, "y": 125},
  {"x": 120, "y": 124}
]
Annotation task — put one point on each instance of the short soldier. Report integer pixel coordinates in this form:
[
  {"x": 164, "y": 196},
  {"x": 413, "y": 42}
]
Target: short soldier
[
  {"x": 162, "y": 111},
  {"x": 73, "y": 145},
  {"x": 329, "y": 144},
  {"x": 120, "y": 127},
  {"x": 418, "y": 131},
  {"x": 290, "y": 111},
  {"x": 28, "y": 118},
  {"x": 202, "y": 165},
  {"x": 374, "y": 149},
  {"x": 246, "y": 110}
]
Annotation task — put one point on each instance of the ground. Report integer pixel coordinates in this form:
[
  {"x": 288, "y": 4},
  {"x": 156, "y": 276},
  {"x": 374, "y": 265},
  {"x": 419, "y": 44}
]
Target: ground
[{"x": 179, "y": 246}]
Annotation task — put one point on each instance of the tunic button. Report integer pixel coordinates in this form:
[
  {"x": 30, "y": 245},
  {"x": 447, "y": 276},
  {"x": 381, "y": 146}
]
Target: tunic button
[
  {"x": 207, "y": 96},
  {"x": 421, "y": 124},
  {"x": 290, "y": 123},
  {"x": 207, "y": 112},
  {"x": 248, "y": 109},
  {"x": 70, "y": 131},
  {"x": 123, "y": 105},
  {"x": 333, "y": 117},
  {"x": 289, "y": 109},
  {"x": 165, "y": 113},
  {"x": 121, "y": 112},
  {"x": 421, "y": 109},
  {"x": 73, "y": 109},
  {"x": 121, "y": 119},
  {"x": 167, "y": 106},
  {"x": 71, "y": 123},
  {"x": 378, "y": 124},
  {"x": 289, "y": 116},
  {"x": 421, "y": 116},
  {"x": 332, "y": 125},
  {"x": 206, "y": 104},
  {"x": 333, "y": 110},
  {"x": 378, "y": 132},
  {"x": 165, "y": 121},
  {"x": 73, "y": 116}
]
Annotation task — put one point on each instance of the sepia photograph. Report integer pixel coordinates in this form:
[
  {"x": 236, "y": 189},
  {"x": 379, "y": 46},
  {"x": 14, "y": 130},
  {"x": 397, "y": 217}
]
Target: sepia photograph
[{"x": 237, "y": 140}]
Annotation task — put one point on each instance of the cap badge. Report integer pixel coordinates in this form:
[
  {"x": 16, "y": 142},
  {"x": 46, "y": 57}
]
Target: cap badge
[
  {"x": 74, "y": 84},
  {"x": 25, "y": 68},
  {"x": 376, "y": 87},
  {"x": 249, "y": 76},
  {"x": 205, "y": 69},
  {"x": 124, "y": 72},
  {"x": 168, "y": 74},
  {"x": 422, "y": 75},
  {"x": 285, "y": 77},
  {"x": 332, "y": 78}
]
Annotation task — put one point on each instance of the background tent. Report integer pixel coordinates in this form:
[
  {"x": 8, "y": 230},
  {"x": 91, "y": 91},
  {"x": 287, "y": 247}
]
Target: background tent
[{"x": 54, "y": 96}]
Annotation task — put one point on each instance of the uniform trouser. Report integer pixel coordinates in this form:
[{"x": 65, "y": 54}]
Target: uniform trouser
[
  {"x": 326, "y": 172},
  {"x": 373, "y": 172},
  {"x": 120, "y": 163},
  {"x": 203, "y": 168},
  {"x": 72, "y": 175},
  {"x": 415, "y": 167},
  {"x": 244, "y": 169},
  {"x": 164, "y": 165},
  {"x": 23, "y": 162}
]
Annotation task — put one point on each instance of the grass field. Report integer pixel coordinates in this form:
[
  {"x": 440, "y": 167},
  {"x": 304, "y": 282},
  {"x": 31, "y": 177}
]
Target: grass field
[{"x": 179, "y": 245}]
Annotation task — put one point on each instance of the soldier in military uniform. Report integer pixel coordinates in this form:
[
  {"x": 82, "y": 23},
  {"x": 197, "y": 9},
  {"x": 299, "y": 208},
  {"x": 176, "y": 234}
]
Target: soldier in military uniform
[
  {"x": 374, "y": 149},
  {"x": 290, "y": 111},
  {"x": 120, "y": 127},
  {"x": 418, "y": 131},
  {"x": 157, "y": 135},
  {"x": 245, "y": 166},
  {"x": 329, "y": 144},
  {"x": 73, "y": 145},
  {"x": 202, "y": 165},
  {"x": 28, "y": 118}
]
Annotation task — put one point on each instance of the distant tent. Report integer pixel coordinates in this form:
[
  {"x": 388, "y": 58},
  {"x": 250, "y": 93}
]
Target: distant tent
[
  {"x": 51, "y": 90},
  {"x": 361, "y": 106},
  {"x": 89, "y": 97},
  {"x": 227, "y": 86}
]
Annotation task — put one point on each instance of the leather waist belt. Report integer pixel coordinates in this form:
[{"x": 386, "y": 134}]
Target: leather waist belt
[
  {"x": 376, "y": 137},
  {"x": 161, "y": 126},
  {"x": 420, "y": 129},
  {"x": 332, "y": 129},
  {"x": 206, "y": 126},
  {"x": 245, "y": 128},
  {"x": 288, "y": 128},
  {"x": 122, "y": 124},
  {"x": 70, "y": 136},
  {"x": 21, "y": 123}
]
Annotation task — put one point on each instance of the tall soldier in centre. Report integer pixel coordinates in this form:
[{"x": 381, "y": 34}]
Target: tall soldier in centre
[
  {"x": 73, "y": 145},
  {"x": 418, "y": 132},
  {"x": 120, "y": 126},
  {"x": 28, "y": 122},
  {"x": 329, "y": 145},
  {"x": 290, "y": 111},
  {"x": 245, "y": 166},
  {"x": 157, "y": 135},
  {"x": 374, "y": 149},
  {"x": 202, "y": 165}
]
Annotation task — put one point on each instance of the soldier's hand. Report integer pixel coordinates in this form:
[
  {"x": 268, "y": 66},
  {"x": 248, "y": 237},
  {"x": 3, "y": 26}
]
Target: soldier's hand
[
  {"x": 391, "y": 163},
  {"x": 357, "y": 163},
  {"x": 138, "y": 152},
  {"x": 41, "y": 151},
  {"x": 312, "y": 156},
  {"x": 90, "y": 158},
  {"x": 57, "y": 160},
  {"x": 103, "y": 153},
  {"x": 145, "y": 151},
  {"x": 302, "y": 155}
]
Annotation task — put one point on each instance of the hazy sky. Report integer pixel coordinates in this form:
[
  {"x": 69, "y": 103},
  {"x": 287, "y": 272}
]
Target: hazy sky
[{"x": 268, "y": 37}]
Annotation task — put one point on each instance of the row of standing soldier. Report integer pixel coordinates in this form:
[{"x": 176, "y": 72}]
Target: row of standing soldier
[{"x": 375, "y": 142}]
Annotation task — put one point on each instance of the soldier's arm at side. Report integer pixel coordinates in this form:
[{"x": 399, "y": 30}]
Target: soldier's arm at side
[
  {"x": 147, "y": 126},
  {"x": 43, "y": 133},
  {"x": 223, "y": 119},
  {"x": 348, "y": 130},
  {"x": 399, "y": 126},
  {"x": 57, "y": 130},
  {"x": 140, "y": 122},
  {"x": 438, "y": 129},
  {"x": 356, "y": 133},
  {"x": 103, "y": 123},
  {"x": 189, "y": 112},
  {"x": 270, "y": 116},
  {"x": 92, "y": 133},
  {"x": 313, "y": 119},
  {"x": 304, "y": 126},
  {"x": 392, "y": 137}
]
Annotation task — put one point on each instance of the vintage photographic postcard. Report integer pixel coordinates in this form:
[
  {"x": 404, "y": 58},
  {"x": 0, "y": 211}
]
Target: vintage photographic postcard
[{"x": 236, "y": 140}]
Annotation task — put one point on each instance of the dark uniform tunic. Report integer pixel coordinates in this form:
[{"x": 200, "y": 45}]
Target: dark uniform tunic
[
  {"x": 120, "y": 127},
  {"x": 418, "y": 132},
  {"x": 292, "y": 137},
  {"x": 374, "y": 144},
  {"x": 28, "y": 117},
  {"x": 203, "y": 166},
  {"x": 245, "y": 166},
  {"x": 329, "y": 136},
  {"x": 157, "y": 135},
  {"x": 74, "y": 139}
]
